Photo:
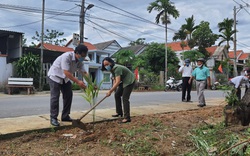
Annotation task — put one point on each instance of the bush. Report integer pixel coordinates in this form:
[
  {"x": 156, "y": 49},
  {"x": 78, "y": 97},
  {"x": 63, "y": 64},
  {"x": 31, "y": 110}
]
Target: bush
[{"x": 75, "y": 86}]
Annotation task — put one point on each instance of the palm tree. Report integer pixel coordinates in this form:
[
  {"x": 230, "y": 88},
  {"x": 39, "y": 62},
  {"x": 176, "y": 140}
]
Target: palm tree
[
  {"x": 165, "y": 8},
  {"x": 227, "y": 32},
  {"x": 187, "y": 29},
  {"x": 226, "y": 29}
]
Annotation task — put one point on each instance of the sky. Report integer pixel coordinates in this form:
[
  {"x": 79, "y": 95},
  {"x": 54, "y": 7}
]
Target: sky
[{"x": 120, "y": 20}]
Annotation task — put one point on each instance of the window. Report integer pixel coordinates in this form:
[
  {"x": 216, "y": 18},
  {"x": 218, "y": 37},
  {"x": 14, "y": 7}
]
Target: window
[
  {"x": 90, "y": 57},
  {"x": 106, "y": 77},
  {"x": 98, "y": 59}
]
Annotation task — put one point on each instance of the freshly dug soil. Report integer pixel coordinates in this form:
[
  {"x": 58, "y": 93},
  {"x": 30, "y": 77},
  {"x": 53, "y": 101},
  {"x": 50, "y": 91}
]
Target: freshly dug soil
[{"x": 165, "y": 134}]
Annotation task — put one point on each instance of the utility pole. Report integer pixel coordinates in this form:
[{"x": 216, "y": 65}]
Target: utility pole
[
  {"x": 82, "y": 19},
  {"x": 166, "y": 48},
  {"x": 235, "y": 40},
  {"x": 82, "y": 16},
  {"x": 41, "y": 59},
  {"x": 235, "y": 57}
]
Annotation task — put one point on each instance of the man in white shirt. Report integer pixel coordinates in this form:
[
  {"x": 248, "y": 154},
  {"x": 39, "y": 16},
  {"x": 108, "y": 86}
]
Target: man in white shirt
[
  {"x": 59, "y": 75},
  {"x": 237, "y": 82},
  {"x": 186, "y": 71}
]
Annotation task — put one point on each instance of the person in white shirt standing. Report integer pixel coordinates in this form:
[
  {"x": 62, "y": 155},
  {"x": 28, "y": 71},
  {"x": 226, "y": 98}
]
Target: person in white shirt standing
[
  {"x": 238, "y": 81},
  {"x": 59, "y": 76},
  {"x": 186, "y": 71}
]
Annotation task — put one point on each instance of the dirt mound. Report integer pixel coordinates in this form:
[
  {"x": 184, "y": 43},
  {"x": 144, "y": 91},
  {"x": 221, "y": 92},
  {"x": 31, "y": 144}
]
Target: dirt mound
[{"x": 158, "y": 134}]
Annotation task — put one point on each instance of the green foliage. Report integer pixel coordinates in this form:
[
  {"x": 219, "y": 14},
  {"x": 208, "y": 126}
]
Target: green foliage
[
  {"x": 204, "y": 37},
  {"x": 75, "y": 87},
  {"x": 186, "y": 30},
  {"x": 165, "y": 8},
  {"x": 28, "y": 66},
  {"x": 51, "y": 37},
  {"x": 154, "y": 55},
  {"x": 193, "y": 55},
  {"x": 148, "y": 77},
  {"x": 139, "y": 41},
  {"x": 226, "y": 30},
  {"x": 125, "y": 57},
  {"x": 91, "y": 92},
  {"x": 231, "y": 98},
  {"x": 173, "y": 71}
]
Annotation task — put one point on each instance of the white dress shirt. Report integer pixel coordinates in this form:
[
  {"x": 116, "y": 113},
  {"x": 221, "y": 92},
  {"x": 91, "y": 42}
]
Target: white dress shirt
[
  {"x": 239, "y": 80},
  {"x": 186, "y": 71},
  {"x": 66, "y": 61}
]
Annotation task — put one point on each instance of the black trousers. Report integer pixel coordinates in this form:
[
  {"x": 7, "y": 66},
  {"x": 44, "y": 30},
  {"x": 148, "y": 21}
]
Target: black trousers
[
  {"x": 238, "y": 93},
  {"x": 67, "y": 94},
  {"x": 122, "y": 95},
  {"x": 186, "y": 88}
]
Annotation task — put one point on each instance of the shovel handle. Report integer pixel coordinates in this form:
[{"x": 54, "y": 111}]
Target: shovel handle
[{"x": 91, "y": 108}]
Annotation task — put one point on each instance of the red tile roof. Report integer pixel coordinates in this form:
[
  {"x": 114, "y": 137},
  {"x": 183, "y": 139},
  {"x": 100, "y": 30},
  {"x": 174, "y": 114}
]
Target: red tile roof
[
  {"x": 176, "y": 46},
  {"x": 89, "y": 45},
  {"x": 211, "y": 50},
  {"x": 52, "y": 47},
  {"x": 231, "y": 53},
  {"x": 244, "y": 56}
]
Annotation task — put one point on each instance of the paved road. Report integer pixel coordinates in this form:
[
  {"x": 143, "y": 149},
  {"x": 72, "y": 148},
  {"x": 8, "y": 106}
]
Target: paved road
[{"x": 25, "y": 105}]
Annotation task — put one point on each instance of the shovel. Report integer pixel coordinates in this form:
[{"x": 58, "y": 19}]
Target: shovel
[{"x": 78, "y": 123}]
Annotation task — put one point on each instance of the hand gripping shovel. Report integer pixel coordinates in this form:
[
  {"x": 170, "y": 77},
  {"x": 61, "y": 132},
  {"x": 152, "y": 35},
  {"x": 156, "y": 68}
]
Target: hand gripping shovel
[{"x": 78, "y": 123}]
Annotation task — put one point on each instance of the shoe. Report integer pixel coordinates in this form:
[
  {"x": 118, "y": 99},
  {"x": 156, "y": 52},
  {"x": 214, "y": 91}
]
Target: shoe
[
  {"x": 67, "y": 119},
  {"x": 183, "y": 100},
  {"x": 54, "y": 122},
  {"x": 126, "y": 120},
  {"x": 201, "y": 105},
  {"x": 117, "y": 115},
  {"x": 189, "y": 101}
]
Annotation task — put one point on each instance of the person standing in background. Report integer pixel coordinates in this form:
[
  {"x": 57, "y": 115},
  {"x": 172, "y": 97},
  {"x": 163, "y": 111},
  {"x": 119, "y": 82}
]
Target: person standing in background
[
  {"x": 186, "y": 71},
  {"x": 202, "y": 76}
]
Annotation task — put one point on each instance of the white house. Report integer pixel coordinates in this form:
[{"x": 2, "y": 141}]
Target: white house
[{"x": 10, "y": 50}]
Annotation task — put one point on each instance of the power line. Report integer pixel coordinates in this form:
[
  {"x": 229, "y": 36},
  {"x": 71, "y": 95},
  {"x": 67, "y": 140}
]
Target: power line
[
  {"x": 110, "y": 31},
  {"x": 137, "y": 17},
  {"x": 39, "y": 20}
]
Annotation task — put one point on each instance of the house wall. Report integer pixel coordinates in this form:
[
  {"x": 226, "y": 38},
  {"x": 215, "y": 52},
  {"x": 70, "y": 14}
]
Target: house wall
[{"x": 6, "y": 71}]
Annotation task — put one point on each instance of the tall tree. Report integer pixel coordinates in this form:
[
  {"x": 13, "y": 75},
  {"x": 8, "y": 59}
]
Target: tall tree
[
  {"x": 189, "y": 27},
  {"x": 154, "y": 54},
  {"x": 125, "y": 57},
  {"x": 165, "y": 8},
  {"x": 204, "y": 37},
  {"x": 186, "y": 30},
  {"x": 24, "y": 40},
  {"x": 226, "y": 30},
  {"x": 51, "y": 36},
  {"x": 139, "y": 41}
]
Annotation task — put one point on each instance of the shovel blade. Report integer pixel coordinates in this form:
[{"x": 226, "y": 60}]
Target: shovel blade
[{"x": 79, "y": 124}]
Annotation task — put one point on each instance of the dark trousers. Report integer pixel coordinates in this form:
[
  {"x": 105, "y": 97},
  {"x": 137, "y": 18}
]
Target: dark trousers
[
  {"x": 122, "y": 95},
  {"x": 238, "y": 93},
  {"x": 67, "y": 94},
  {"x": 186, "y": 88}
]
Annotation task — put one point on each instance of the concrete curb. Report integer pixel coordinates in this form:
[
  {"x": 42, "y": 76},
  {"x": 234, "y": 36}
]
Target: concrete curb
[{"x": 12, "y": 127}]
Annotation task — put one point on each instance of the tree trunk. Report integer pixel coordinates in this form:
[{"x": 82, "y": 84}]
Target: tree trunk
[{"x": 243, "y": 111}]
